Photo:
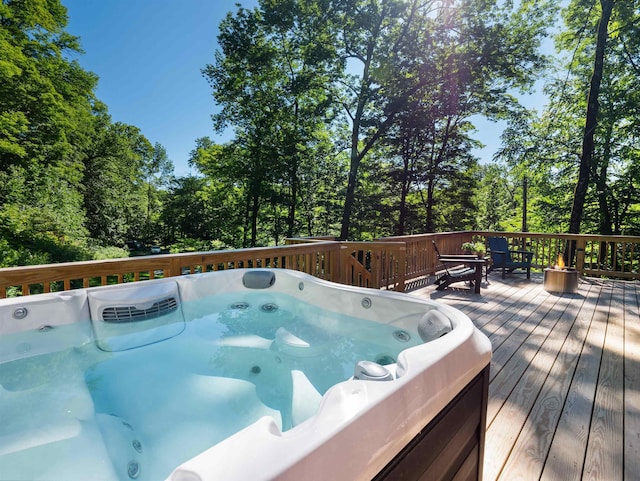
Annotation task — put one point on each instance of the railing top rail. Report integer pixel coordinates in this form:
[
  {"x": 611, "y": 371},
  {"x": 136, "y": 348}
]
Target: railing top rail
[
  {"x": 410, "y": 237},
  {"x": 621, "y": 238},
  {"x": 370, "y": 244},
  {"x": 310, "y": 239},
  {"x": 156, "y": 260},
  {"x": 312, "y": 246},
  {"x": 596, "y": 237}
]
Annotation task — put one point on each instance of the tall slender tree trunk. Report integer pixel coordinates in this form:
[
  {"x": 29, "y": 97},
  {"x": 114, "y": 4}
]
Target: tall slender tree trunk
[
  {"x": 430, "y": 224},
  {"x": 291, "y": 215},
  {"x": 605, "y": 221},
  {"x": 580, "y": 192},
  {"x": 402, "y": 216},
  {"x": 255, "y": 209},
  {"x": 350, "y": 196}
]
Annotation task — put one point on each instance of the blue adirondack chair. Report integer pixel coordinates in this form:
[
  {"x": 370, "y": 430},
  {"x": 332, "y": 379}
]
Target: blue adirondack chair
[{"x": 508, "y": 259}]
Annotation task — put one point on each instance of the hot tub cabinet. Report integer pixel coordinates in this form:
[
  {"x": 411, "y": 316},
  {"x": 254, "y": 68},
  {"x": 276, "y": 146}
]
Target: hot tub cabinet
[
  {"x": 451, "y": 446},
  {"x": 149, "y": 376}
]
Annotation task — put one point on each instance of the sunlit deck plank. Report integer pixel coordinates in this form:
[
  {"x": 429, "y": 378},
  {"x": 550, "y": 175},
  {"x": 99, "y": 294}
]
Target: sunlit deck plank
[
  {"x": 604, "y": 457},
  {"x": 632, "y": 382},
  {"x": 514, "y": 390},
  {"x": 567, "y": 453},
  {"x": 531, "y": 449},
  {"x": 565, "y": 383}
]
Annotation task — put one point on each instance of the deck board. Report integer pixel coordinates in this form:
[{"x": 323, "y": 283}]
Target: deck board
[
  {"x": 604, "y": 459},
  {"x": 564, "y": 393},
  {"x": 631, "y": 382},
  {"x": 530, "y": 451}
]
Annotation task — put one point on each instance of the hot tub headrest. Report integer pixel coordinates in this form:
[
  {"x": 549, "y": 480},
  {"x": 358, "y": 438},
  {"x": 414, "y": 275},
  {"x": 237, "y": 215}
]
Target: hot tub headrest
[
  {"x": 433, "y": 324},
  {"x": 258, "y": 279}
]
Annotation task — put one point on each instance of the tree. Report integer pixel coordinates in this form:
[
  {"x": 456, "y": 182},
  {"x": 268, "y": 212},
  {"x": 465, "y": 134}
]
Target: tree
[
  {"x": 394, "y": 43},
  {"x": 591, "y": 121},
  {"x": 286, "y": 69},
  {"x": 270, "y": 79},
  {"x": 46, "y": 106},
  {"x": 113, "y": 183},
  {"x": 157, "y": 171},
  {"x": 70, "y": 179},
  {"x": 590, "y": 162}
]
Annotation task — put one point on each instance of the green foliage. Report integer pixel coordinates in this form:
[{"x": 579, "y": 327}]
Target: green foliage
[
  {"x": 110, "y": 252},
  {"x": 271, "y": 78},
  {"x": 293, "y": 73},
  {"x": 349, "y": 117},
  {"x": 550, "y": 147},
  {"x": 71, "y": 181},
  {"x": 474, "y": 248},
  {"x": 187, "y": 244}
]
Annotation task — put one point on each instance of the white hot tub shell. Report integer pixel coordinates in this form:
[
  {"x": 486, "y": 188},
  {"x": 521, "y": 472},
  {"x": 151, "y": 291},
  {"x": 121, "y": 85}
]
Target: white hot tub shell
[{"x": 427, "y": 419}]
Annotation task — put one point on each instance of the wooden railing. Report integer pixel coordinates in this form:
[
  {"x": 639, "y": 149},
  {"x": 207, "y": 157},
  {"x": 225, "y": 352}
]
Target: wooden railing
[
  {"x": 379, "y": 265},
  {"x": 420, "y": 254},
  {"x": 320, "y": 259},
  {"x": 594, "y": 255},
  {"x": 387, "y": 263}
]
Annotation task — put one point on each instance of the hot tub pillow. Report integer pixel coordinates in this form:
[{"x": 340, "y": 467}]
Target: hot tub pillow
[{"x": 433, "y": 324}]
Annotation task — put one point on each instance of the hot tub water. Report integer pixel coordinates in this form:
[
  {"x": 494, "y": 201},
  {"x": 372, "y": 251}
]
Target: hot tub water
[{"x": 161, "y": 404}]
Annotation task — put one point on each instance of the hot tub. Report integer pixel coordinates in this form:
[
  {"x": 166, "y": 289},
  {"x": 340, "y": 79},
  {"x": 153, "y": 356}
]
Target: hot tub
[{"x": 236, "y": 375}]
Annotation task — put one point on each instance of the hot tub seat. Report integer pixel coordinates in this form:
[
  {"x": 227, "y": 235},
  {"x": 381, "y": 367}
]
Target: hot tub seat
[{"x": 62, "y": 424}]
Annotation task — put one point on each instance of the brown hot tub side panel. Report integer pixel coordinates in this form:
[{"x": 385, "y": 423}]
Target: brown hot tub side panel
[{"x": 451, "y": 446}]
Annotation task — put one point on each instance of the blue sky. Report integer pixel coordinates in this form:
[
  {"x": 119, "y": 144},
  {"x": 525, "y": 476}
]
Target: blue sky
[{"x": 149, "y": 55}]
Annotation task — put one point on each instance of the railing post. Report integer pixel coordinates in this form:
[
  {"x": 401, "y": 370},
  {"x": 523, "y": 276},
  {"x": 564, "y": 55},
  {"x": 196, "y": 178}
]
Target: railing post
[
  {"x": 402, "y": 268},
  {"x": 580, "y": 246},
  {"x": 175, "y": 267},
  {"x": 375, "y": 265},
  {"x": 341, "y": 264}
]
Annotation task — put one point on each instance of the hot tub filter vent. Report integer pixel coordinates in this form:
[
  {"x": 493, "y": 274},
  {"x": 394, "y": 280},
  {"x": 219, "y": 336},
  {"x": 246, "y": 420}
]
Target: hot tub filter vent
[{"x": 133, "y": 313}]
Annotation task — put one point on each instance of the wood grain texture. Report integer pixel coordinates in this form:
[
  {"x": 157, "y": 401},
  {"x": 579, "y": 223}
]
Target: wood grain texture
[
  {"x": 564, "y": 396},
  {"x": 631, "y": 382}
]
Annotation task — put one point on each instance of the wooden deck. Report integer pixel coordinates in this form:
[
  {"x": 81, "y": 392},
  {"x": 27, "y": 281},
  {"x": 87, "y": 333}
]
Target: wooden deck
[{"x": 564, "y": 397}]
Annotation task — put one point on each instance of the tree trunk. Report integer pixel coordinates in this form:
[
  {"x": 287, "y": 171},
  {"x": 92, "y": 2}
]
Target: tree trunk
[
  {"x": 430, "y": 224},
  {"x": 402, "y": 217},
  {"x": 350, "y": 196},
  {"x": 582, "y": 185},
  {"x": 255, "y": 208},
  {"x": 291, "y": 218},
  {"x": 605, "y": 221}
]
